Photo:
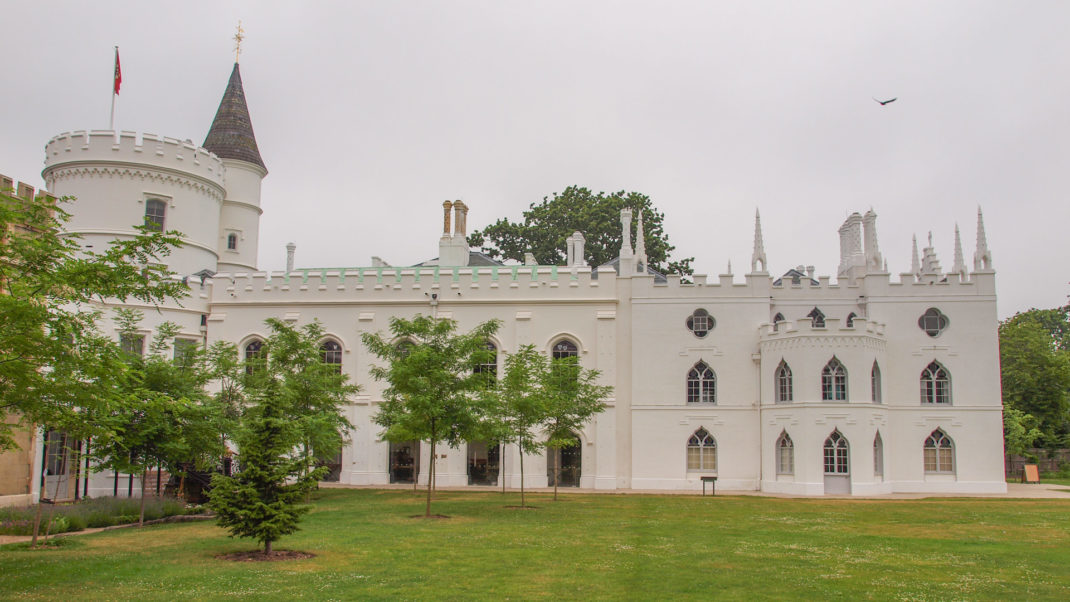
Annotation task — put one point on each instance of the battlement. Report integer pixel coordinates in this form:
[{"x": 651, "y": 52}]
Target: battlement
[
  {"x": 833, "y": 326},
  {"x": 20, "y": 190},
  {"x": 378, "y": 284},
  {"x": 133, "y": 149}
]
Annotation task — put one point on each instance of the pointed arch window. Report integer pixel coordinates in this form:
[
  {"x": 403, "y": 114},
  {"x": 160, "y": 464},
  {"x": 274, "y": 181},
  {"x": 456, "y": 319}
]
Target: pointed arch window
[
  {"x": 817, "y": 317},
  {"x": 565, "y": 361},
  {"x": 777, "y": 319},
  {"x": 701, "y": 451},
  {"x": 935, "y": 384},
  {"x": 878, "y": 455},
  {"x": 836, "y": 454},
  {"x": 563, "y": 349},
  {"x": 783, "y": 389},
  {"x": 489, "y": 364},
  {"x": 701, "y": 384},
  {"x": 331, "y": 352},
  {"x": 939, "y": 453},
  {"x": 834, "y": 381},
  {"x": 254, "y": 355},
  {"x": 785, "y": 454},
  {"x": 875, "y": 382}
]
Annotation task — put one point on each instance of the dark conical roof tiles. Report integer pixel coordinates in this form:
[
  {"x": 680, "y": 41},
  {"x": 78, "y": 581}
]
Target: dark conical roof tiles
[{"x": 231, "y": 135}]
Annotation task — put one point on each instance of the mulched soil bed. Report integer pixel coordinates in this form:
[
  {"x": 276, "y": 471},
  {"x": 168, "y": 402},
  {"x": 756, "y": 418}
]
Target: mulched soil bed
[
  {"x": 432, "y": 516},
  {"x": 522, "y": 507},
  {"x": 260, "y": 556}
]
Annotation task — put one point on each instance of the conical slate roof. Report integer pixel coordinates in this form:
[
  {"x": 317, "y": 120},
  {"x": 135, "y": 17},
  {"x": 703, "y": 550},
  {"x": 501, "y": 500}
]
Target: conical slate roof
[{"x": 231, "y": 135}]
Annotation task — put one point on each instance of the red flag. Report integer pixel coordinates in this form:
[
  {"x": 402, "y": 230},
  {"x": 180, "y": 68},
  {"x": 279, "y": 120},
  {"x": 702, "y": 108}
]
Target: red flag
[{"x": 118, "y": 72}]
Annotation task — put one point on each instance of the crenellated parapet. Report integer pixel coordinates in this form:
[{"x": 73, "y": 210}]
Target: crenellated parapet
[
  {"x": 410, "y": 284},
  {"x": 107, "y": 153}
]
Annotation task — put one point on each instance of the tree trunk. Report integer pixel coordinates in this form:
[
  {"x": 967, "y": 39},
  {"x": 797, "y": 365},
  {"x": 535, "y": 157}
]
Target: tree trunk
[
  {"x": 430, "y": 480},
  {"x": 501, "y": 467},
  {"x": 267, "y": 548},
  {"x": 557, "y": 470},
  {"x": 144, "y": 477},
  {"x": 51, "y": 510},
  {"x": 521, "y": 447},
  {"x": 36, "y": 523}
]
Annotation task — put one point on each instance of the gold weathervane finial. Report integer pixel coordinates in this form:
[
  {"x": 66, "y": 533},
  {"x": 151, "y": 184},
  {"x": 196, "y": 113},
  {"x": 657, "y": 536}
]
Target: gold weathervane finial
[{"x": 238, "y": 37}]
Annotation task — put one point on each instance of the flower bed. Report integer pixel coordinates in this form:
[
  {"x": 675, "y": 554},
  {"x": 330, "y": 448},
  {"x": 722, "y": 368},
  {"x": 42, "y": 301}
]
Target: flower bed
[{"x": 91, "y": 513}]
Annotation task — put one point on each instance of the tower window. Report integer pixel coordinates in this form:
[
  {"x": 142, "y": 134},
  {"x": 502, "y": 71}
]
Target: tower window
[
  {"x": 818, "y": 317},
  {"x": 155, "y": 211},
  {"x": 232, "y": 242}
]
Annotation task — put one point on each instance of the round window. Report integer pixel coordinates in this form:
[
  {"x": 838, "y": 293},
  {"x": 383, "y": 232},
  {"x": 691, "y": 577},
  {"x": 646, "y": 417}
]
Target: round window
[
  {"x": 700, "y": 322},
  {"x": 933, "y": 322}
]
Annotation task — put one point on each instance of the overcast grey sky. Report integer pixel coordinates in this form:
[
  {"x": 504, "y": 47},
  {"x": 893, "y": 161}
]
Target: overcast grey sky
[{"x": 369, "y": 115}]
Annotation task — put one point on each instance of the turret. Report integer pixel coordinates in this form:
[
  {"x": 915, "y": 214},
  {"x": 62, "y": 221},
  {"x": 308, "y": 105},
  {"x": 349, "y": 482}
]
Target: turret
[
  {"x": 121, "y": 180},
  {"x": 231, "y": 138}
]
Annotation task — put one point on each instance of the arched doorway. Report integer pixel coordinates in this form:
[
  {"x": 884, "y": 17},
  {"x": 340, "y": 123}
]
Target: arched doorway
[
  {"x": 837, "y": 454},
  {"x": 570, "y": 459},
  {"x": 404, "y": 461},
  {"x": 483, "y": 462}
]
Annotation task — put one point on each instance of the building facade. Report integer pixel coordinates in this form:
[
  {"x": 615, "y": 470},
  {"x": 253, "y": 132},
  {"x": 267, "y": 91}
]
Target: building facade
[{"x": 866, "y": 384}]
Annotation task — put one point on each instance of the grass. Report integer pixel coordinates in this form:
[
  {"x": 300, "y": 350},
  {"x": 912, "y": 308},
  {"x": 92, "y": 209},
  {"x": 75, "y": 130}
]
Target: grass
[{"x": 589, "y": 546}]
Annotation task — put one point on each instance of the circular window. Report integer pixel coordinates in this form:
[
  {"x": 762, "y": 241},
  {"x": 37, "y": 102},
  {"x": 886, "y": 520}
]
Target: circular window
[
  {"x": 700, "y": 323},
  {"x": 933, "y": 322}
]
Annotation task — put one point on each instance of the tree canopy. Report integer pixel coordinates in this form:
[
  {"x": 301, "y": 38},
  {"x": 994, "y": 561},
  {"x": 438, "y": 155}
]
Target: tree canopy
[
  {"x": 56, "y": 368},
  {"x": 546, "y": 225},
  {"x": 434, "y": 390},
  {"x": 1035, "y": 370}
]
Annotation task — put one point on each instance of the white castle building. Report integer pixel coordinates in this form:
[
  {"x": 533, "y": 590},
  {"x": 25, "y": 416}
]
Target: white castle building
[{"x": 798, "y": 384}]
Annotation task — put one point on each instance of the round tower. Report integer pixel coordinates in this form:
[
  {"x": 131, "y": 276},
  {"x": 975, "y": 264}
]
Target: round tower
[
  {"x": 231, "y": 138},
  {"x": 121, "y": 180}
]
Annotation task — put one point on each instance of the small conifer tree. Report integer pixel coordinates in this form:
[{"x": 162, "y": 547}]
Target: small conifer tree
[{"x": 263, "y": 500}]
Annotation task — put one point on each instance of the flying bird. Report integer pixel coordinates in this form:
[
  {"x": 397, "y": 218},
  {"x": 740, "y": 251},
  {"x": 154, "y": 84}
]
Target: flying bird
[{"x": 884, "y": 102}]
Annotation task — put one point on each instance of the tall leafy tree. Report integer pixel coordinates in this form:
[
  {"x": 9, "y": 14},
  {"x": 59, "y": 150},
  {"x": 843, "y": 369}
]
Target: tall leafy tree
[
  {"x": 433, "y": 392},
  {"x": 573, "y": 398},
  {"x": 56, "y": 368},
  {"x": 316, "y": 392},
  {"x": 166, "y": 418},
  {"x": 520, "y": 403},
  {"x": 546, "y": 225},
  {"x": 1035, "y": 369}
]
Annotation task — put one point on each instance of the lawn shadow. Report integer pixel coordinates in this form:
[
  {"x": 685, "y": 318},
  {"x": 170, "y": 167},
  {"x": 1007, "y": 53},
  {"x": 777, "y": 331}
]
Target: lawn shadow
[{"x": 260, "y": 556}]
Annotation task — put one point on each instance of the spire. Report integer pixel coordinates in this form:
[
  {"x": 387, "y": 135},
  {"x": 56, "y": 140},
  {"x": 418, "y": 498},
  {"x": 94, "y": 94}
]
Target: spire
[
  {"x": 640, "y": 244},
  {"x": 982, "y": 258},
  {"x": 915, "y": 263},
  {"x": 231, "y": 135},
  {"x": 959, "y": 266},
  {"x": 758, "y": 256},
  {"x": 929, "y": 263}
]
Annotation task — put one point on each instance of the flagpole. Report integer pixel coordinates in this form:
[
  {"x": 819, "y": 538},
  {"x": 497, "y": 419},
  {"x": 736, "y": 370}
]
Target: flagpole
[{"x": 111, "y": 122}]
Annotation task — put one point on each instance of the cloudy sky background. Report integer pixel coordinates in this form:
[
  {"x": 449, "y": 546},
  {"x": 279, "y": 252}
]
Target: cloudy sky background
[{"x": 369, "y": 115}]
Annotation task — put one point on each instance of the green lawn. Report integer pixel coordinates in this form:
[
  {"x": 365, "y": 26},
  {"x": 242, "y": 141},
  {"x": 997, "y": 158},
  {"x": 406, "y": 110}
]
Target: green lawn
[{"x": 584, "y": 546}]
